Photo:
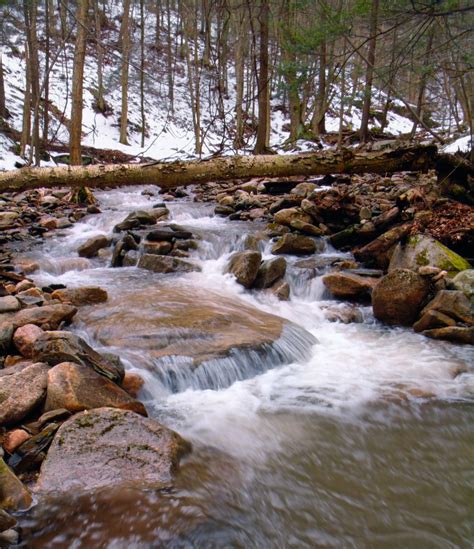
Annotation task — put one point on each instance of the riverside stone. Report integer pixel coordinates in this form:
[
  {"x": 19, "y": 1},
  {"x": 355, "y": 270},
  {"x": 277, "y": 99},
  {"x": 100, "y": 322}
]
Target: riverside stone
[
  {"x": 14, "y": 439},
  {"x": 294, "y": 244},
  {"x": 433, "y": 319},
  {"x": 244, "y": 266},
  {"x": 110, "y": 447},
  {"x": 25, "y": 337},
  {"x": 398, "y": 297},
  {"x": 165, "y": 264},
  {"x": 270, "y": 271},
  {"x": 50, "y": 315},
  {"x": 348, "y": 285},
  {"x": 87, "y": 295},
  {"x": 91, "y": 246},
  {"x": 76, "y": 388},
  {"x": 55, "y": 347},
  {"x": 452, "y": 303},
  {"x": 464, "y": 282},
  {"x": 9, "y": 304},
  {"x": 6, "y": 333},
  {"x": 455, "y": 334},
  {"x": 13, "y": 495},
  {"x": 21, "y": 392},
  {"x": 288, "y": 215}
]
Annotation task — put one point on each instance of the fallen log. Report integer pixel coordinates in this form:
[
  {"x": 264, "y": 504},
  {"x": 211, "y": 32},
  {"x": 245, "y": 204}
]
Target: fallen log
[{"x": 169, "y": 175}]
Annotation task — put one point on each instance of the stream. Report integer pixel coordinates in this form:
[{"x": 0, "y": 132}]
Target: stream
[{"x": 335, "y": 435}]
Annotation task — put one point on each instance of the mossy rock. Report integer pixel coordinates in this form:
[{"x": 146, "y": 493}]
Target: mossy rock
[{"x": 421, "y": 250}]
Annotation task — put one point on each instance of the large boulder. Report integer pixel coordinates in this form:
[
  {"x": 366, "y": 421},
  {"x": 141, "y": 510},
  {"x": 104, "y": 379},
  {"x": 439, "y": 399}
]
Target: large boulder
[
  {"x": 165, "y": 264},
  {"x": 398, "y": 297},
  {"x": 294, "y": 244},
  {"x": 87, "y": 295},
  {"x": 452, "y": 303},
  {"x": 244, "y": 266},
  {"x": 420, "y": 250},
  {"x": 270, "y": 271},
  {"x": 349, "y": 285},
  {"x": 76, "y": 388},
  {"x": 109, "y": 447},
  {"x": 49, "y": 316},
  {"x": 464, "y": 282},
  {"x": 13, "y": 495},
  {"x": 55, "y": 347},
  {"x": 91, "y": 246},
  {"x": 21, "y": 392}
]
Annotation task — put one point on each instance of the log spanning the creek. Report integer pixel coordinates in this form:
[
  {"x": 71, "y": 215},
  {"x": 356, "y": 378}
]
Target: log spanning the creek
[{"x": 169, "y": 175}]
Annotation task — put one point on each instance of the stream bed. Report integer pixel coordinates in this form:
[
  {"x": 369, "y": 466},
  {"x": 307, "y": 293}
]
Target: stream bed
[{"x": 334, "y": 435}]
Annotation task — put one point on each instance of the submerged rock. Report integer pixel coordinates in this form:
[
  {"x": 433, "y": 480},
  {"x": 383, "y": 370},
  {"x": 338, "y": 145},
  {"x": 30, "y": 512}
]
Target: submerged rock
[
  {"x": 399, "y": 296},
  {"x": 165, "y": 264},
  {"x": 109, "y": 447}
]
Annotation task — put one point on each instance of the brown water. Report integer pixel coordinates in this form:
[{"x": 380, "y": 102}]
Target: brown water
[{"x": 364, "y": 439}]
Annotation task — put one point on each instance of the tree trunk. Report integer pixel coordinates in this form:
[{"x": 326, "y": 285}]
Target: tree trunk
[
  {"x": 369, "y": 75},
  {"x": 3, "y": 105},
  {"x": 142, "y": 70},
  {"x": 263, "y": 129},
  {"x": 169, "y": 175},
  {"x": 30, "y": 9},
  {"x": 75, "y": 133},
  {"x": 100, "y": 59},
  {"x": 26, "y": 121},
  {"x": 125, "y": 34}
]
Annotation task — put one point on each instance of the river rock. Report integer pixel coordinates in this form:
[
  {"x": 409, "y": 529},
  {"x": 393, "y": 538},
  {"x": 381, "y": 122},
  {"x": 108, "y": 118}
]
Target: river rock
[
  {"x": 21, "y": 392},
  {"x": 464, "y": 282},
  {"x": 13, "y": 495},
  {"x": 9, "y": 304},
  {"x": 87, "y": 295},
  {"x": 110, "y": 447},
  {"x": 14, "y": 439},
  {"x": 270, "y": 271},
  {"x": 281, "y": 290},
  {"x": 6, "y": 521},
  {"x": 55, "y": 347},
  {"x": 304, "y": 189},
  {"x": 433, "y": 319},
  {"x": 50, "y": 316},
  {"x": 32, "y": 452},
  {"x": 343, "y": 313},
  {"x": 398, "y": 297},
  {"x": 455, "y": 334},
  {"x": 306, "y": 228},
  {"x": 25, "y": 338},
  {"x": 158, "y": 248},
  {"x": 158, "y": 213},
  {"x": 91, "y": 247},
  {"x": 76, "y": 388},
  {"x": 452, "y": 303},
  {"x": 286, "y": 216},
  {"x": 9, "y": 537},
  {"x": 348, "y": 285},
  {"x": 168, "y": 234},
  {"x": 135, "y": 220},
  {"x": 132, "y": 383},
  {"x": 294, "y": 244},
  {"x": 422, "y": 250},
  {"x": 6, "y": 334},
  {"x": 165, "y": 264},
  {"x": 244, "y": 266}
]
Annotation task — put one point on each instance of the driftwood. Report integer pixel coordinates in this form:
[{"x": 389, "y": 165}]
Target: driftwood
[{"x": 169, "y": 175}]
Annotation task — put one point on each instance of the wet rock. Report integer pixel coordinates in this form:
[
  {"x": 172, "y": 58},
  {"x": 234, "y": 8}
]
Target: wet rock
[
  {"x": 13, "y": 495},
  {"x": 287, "y": 216},
  {"x": 132, "y": 383},
  {"x": 135, "y": 220},
  {"x": 399, "y": 296},
  {"x": 9, "y": 537},
  {"x": 433, "y": 319},
  {"x": 55, "y": 347},
  {"x": 165, "y": 264},
  {"x": 275, "y": 229},
  {"x": 168, "y": 234},
  {"x": 130, "y": 259},
  {"x": 455, "y": 334},
  {"x": 31, "y": 453},
  {"x": 305, "y": 228},
  {"x": 378, "y": 252},
  {"x": 110, "y": 447},
  {"x": 251, "y": 243},
  {"x": 244, "y": 266},
  {"x": 421, "y": 250},
  {"x": 304, "y": 189},
  {"x": 21, "y": 392},
  {"x": 161, "y": 212},
  {"x": 87, "y": 295},
  {"x": 54, "y": 416},
  {"x": 8, "y": 219},
  {"x": 270, "y": 271},
  {"x": 6, "y": 521},
  {"x": 344, "y": 314},
  {"x": 452, "y": 303},
  {"x": 311, "y": 209},
  {"x": 25, "y": 337},
  {"x": 14, "y": 439},
  {"x": 158, "y": 248},
  {"x": 281, "y": 290},
  {"x": 349, "y": 286},
  {"x": 76, "y": 388},
  {"x": 24, "y": 285},
  {"x": 91, "y": 247},
  {"x": 6, "y": 334},
  {"x": 464, "y": 282},
  {"x": 9, "y": 304},
  {"x": 294, "y": 244},
  {"x": 127, "y": 243},
  {"x": 51, "y": 316}
]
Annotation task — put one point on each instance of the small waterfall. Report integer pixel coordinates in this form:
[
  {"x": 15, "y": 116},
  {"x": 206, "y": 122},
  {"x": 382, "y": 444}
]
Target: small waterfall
[{"x": 178, "y": 373}]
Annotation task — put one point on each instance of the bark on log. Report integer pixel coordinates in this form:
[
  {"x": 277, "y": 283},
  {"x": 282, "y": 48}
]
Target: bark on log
[{"x": 174, "y": 174}]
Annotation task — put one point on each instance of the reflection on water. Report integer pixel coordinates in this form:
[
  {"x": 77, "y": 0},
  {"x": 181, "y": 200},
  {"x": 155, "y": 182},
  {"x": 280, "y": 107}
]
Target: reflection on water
[{"x": 366, "y": 441}]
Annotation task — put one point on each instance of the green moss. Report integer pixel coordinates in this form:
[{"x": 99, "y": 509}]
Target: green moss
[
  {"x": 422, "y": 258},
  {"x": 454, "y": 263}
]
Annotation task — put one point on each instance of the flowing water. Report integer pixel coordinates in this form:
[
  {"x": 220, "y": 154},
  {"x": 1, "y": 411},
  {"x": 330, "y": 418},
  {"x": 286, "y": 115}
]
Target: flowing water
[{"x": 332, "y": 435}]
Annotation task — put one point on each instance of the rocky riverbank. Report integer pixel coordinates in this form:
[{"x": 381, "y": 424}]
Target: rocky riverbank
[{"x": 63, "y": 404}]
